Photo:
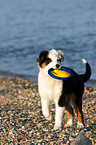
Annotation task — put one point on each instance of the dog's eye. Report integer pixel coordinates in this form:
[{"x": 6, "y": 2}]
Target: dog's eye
[
  {"x": 48, "y": 61},
  {"x": 59, "y": 59}
]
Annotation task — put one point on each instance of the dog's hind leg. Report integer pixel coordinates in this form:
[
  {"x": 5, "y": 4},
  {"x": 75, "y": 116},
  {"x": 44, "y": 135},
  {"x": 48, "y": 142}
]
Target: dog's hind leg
[
  {"x": 78, "y": 108},
  {"x": 80, "y": 116},
  {"x": 45, "y": 109},
  {"x": 70, "y": 114}
]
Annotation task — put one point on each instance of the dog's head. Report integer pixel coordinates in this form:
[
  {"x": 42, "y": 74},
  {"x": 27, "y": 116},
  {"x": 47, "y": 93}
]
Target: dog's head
[{"x": 50, "y": 59}]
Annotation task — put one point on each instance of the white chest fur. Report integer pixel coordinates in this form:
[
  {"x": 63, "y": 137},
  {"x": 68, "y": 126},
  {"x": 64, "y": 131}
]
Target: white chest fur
[{"x": 49, "y": 88}]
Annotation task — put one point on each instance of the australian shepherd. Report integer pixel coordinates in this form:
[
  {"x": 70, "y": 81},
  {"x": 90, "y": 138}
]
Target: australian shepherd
[{"x": 65, "y": 94}]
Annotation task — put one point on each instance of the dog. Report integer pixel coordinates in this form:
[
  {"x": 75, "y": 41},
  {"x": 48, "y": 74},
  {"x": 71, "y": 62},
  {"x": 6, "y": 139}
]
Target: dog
[{"x": 65, "y": 94}]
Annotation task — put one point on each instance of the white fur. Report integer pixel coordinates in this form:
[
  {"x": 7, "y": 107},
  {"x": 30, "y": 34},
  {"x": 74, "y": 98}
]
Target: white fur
[
  {"x": 80, "y": 125},
  {"x": 50, "y": 90},
  {"x": 69, "y": 123},
  {"x": 84, "y": 61}
]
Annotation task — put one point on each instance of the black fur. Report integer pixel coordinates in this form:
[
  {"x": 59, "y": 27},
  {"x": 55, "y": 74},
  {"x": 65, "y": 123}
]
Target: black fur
[
  {"x": 43, "y": 58},
  {"x": 87, "y": 74},
  {"x": 75, "y": 85}
]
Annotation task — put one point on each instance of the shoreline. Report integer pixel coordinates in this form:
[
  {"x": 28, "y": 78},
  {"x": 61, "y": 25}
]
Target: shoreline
[
  {"x": 22, "y": 121},
  {"x": 5, "y": 74}
]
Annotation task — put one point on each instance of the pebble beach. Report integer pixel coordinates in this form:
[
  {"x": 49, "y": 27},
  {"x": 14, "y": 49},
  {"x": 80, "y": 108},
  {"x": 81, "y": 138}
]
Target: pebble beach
[{"x": 22, "y": 121}]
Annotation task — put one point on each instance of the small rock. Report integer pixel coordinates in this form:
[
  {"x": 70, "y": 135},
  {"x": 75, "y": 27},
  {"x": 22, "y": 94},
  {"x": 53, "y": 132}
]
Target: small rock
[
  {"x": 71, "y": 138},
  {"x": 81, "y": 140}
]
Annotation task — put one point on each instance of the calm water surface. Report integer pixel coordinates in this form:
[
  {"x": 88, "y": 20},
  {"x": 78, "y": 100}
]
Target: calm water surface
[{"x": 30, "y": 26}]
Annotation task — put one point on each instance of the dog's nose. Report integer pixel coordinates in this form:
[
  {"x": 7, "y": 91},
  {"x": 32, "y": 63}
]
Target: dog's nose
[{"x": 57, "y": 65}]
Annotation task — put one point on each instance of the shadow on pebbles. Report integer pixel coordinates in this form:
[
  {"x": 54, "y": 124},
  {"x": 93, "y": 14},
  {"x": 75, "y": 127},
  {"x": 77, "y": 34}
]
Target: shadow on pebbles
[{"x": 22, "y": 121}]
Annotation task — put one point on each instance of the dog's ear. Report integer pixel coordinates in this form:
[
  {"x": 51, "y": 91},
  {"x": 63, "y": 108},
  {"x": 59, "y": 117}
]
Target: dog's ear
[
  {"x": 42, "y": 56},
  {"x": 61, "y": 55}
]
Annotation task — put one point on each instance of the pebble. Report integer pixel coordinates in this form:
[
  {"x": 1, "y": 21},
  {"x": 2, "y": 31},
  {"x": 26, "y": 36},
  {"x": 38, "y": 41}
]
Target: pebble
[
  {"x": 22, "y": 121},
  {"x": 71, "y": 138}
]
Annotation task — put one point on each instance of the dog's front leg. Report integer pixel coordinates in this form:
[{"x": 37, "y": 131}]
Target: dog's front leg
[
  {"x": 58, "y": 116},
  {"x": 45, "y": 109}
]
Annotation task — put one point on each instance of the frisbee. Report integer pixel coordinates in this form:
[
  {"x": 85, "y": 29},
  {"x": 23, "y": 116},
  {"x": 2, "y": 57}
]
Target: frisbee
[{"x": 61, "y": 74}]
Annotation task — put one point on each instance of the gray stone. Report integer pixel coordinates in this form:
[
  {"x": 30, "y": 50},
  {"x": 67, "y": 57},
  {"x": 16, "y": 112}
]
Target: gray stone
[{"x": 81, "y": 140}]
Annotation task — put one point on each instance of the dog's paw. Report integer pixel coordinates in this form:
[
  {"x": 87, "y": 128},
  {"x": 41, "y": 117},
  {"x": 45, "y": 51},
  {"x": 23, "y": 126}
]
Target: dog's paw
[
  {"x": 69, "y": 123},
  {"x": 57, "y": 128},
  {"x": 49, "y": 117},
  {"x": 80, "y": 125}
]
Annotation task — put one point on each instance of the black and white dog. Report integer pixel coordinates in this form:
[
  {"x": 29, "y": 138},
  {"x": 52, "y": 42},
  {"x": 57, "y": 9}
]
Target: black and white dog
[{"x": 64, "y": 93}]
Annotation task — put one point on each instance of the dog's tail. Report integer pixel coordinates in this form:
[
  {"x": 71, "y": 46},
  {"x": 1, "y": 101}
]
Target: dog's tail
[{"x": 87, "y": 74}]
